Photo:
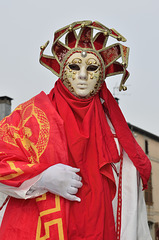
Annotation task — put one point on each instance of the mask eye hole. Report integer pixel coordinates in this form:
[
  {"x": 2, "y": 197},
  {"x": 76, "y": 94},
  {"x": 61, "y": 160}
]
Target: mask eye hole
[
  {"x": 92, "y": 68},
  {"x": 74, "y": 67}
]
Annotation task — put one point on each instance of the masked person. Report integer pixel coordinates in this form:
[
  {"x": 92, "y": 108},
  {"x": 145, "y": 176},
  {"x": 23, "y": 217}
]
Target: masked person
[{"x": 68, "y": 160}]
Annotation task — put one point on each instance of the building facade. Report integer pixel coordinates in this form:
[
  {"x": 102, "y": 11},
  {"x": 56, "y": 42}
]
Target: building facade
[
  {"x": 5, "y": 110},
  {"x": 150, "y": 144},
  {"x": 5, "y": 106}
]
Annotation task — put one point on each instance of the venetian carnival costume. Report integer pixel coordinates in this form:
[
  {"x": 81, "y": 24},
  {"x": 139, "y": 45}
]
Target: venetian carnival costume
[{"x": 84, "y": 132}]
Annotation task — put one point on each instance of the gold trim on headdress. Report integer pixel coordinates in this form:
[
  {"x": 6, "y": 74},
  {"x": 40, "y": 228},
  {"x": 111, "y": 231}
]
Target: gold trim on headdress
[{"x": 85, "y": 40}]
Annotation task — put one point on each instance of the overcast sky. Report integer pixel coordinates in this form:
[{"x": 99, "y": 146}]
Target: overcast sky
[{"x": 26, "y": 25}]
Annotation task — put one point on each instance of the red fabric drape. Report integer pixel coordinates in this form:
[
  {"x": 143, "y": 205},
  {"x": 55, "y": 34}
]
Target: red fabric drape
[
  {"x": 79, "y": 135},
  {"x": 91, "y": 147},
  {"x": 32, "y": 139},
  {"x": 125, "y": 137}
]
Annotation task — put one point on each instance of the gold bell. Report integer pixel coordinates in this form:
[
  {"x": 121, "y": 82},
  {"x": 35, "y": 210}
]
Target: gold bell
[
  {"x": 124, "y": 88},
  {"x": 124, "y": 64},
  {"x": 105, "y": 33},
  {"x": 70, "y": 28},
  {"x": 119, "y": 38},
  {"x": 83, "y": 25},
  {"x": 44, "y": 46}
]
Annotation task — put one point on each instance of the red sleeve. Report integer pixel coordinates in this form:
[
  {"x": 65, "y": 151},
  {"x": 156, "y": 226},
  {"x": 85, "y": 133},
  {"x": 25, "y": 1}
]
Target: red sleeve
[{"x": 32, "y": 138}]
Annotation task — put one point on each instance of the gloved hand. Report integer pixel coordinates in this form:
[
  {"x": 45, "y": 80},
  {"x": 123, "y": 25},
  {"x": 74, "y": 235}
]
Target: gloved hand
[{"x": 62, "y": 180}]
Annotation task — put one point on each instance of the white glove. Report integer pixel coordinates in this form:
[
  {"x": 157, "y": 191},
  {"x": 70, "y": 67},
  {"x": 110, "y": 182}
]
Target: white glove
[{"x": 62, "y": 180}]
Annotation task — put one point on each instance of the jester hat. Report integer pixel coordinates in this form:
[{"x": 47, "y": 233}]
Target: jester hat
[{"x": 85, "y": 41}]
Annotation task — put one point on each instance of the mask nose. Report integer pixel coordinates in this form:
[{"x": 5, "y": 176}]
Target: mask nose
[{"x": 83, "y": 73}]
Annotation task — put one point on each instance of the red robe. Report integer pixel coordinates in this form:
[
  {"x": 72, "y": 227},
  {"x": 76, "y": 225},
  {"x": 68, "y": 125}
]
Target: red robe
[{"x": 62, "y": 128}]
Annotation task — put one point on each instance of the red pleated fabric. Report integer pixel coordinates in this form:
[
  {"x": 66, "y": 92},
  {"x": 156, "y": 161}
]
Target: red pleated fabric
[
  {"x": 91, "y": 147},
  {"x": 78, "y": 131},
  {"x": 125, "y": 136}
]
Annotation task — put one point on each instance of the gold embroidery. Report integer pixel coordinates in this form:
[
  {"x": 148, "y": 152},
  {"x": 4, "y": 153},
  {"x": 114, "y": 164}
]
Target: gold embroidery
[
  {"x": 52, "y": 210},
  {"x": 48, "y": 224},
  {"x": 13, "y": 175},
  {"x": 11, "y": 134},
  {"x": 91, "y": 61},
  {"x": 42, "y": 198},
  {"x": 77, "y": 60}
]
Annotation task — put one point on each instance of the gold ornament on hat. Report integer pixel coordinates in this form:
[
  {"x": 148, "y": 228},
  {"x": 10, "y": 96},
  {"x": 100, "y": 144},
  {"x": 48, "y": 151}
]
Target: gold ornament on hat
[{"x": 85, "y": 41}]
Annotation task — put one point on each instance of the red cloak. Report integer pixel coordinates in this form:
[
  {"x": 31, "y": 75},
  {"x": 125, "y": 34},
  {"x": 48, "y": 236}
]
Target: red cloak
[{"x": 62, "y": 128}]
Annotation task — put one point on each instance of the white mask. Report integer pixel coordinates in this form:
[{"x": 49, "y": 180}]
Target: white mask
[{"x": 82, "y": 72}]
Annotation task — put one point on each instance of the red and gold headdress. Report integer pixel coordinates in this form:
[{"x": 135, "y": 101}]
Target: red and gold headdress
[{"x": 85, "y": 41}]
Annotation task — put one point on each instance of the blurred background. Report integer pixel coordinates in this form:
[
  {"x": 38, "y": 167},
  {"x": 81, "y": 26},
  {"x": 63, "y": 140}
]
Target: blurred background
[{"x": 26, "y": 25}]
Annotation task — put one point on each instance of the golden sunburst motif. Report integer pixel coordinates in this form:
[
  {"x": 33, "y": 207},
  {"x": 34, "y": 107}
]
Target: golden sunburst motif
[{"x": 23, "y": 133}]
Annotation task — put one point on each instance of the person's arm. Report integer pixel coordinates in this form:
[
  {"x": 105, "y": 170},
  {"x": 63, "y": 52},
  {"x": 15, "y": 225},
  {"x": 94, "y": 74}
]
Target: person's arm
[
  {"x": 59, "y": 179},
  {"x": 21, "y": 192}
]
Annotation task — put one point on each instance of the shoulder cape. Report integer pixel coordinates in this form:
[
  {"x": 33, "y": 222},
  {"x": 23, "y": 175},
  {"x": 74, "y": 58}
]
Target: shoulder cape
[{"x": 31, "y": 139}]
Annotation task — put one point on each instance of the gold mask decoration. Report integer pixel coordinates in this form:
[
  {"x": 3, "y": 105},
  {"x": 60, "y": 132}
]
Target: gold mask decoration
[{"x": 82, "y": 74}]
